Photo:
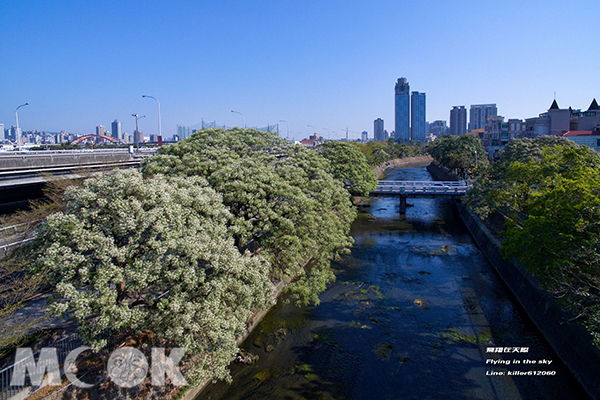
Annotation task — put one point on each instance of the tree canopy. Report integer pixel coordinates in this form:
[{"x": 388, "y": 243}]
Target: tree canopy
[
  {"x": 153, "y": 254},
  {"x": 285, "y": 204},
  {"x": 548, "y": 193},
  {"x": 350, "y": 166},
  {"x": 461, "y": 154}
]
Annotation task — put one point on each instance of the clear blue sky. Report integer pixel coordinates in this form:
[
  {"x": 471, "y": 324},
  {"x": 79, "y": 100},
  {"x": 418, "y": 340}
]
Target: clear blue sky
[{"x": 330, "y": 64}]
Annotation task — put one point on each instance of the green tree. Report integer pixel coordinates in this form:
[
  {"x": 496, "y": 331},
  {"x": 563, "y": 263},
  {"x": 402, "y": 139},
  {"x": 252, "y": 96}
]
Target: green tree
[
  {"x": 350, "y": 166},
  {"x": 134, "y": 254},
  {"x": 285, "y": 204},
  {"x": 460, "y": 154}
]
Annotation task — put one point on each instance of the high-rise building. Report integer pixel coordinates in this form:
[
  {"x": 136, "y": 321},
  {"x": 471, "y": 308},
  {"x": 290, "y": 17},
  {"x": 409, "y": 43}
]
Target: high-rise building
[
  {"x": 479, "y": 113},
  {"x": 402, "y": 109},
  {"x": 138, "y": 137},
  {"x": 364, "y": 136},
  {"x": 115, "y": 129},
  {"x": 2, "y": 133},
  {"x": 418, "y": 128},
  {"x": 100, "y": 130},
  {"x": 183, "y": 132},
  {"x": 458, "y": 120},
  {"x": 378, "y": 135},
  {"x": 438, "y": 128}
]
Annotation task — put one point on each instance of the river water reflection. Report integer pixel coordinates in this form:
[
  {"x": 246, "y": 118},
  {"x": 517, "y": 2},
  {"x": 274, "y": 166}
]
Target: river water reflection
[{"x": 411, "y": 316}]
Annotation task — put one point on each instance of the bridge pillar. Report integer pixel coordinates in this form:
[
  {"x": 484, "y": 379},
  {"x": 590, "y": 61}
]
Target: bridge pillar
[{"x": 402, "y": 204}]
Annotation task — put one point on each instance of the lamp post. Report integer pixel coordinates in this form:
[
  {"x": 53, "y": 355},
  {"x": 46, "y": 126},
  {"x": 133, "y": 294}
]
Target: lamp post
[
  {"x": 137, "y": 130},
  {"x": 158, "y": 104},
  {"x": 18, "y": 134},
  {"x": 243, "y": 120},
  {"x": 475, "y": 158},
  {"x": 288, "y": 128}
]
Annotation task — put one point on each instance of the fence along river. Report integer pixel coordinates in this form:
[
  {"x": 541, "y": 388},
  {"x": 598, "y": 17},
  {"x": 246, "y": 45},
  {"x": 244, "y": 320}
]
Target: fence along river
[{"x": 412, "y": 315}]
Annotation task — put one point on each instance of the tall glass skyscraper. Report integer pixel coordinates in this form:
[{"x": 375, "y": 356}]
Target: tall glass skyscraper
[
  {"x": 378, "y": 135},
  {"x": 402, "y": 110},
  {"x": 417, "y": 116},
  {"x": 115, "y": 129}
]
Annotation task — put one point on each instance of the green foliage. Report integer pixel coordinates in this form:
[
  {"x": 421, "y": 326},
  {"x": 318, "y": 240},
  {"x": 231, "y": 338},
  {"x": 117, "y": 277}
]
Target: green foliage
[
  {"x": 134, "y": 254},
  {"x": 548, "y": 192},
  {"x": 380, "y": 152},
  {"x": 350, "y": 166},
  {"x": 284, "y": 202},
  {"x": 461, "y": 154}
]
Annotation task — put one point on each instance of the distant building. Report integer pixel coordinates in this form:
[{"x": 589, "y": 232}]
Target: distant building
[
  {"x": 313, "y": 140},
  {"x": 2, "y": 132},
  {"x": 153, "y": 138},
  {"x": 417, "y": 116},
  {"x": 479, "y": 113},
  {"x": 402, "y": 109},
  {"x": 378, "y": 134},
  {"x": 100, "y": 130},
  {"x": 458, "y": 120},
  {"x": 585, "y": 138},
  {"x": 557, "y": 121},
  {"x": 115, "y": 128},
  {"x": 364, "y": 137},
  {"x": 183, "y": 132},
  {"x": 498, "y": 133},
  {"x": 138, "y": 137},
  {"x": 438, "y": 128}
]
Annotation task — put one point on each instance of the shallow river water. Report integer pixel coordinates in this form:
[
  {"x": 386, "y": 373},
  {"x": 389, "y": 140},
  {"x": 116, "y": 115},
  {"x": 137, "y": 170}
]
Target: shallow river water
[{"x": 413, "y": 314}]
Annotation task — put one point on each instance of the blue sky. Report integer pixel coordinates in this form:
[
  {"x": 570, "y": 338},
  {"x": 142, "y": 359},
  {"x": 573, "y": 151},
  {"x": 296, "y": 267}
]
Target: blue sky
[{"x": 329, "y": 64}]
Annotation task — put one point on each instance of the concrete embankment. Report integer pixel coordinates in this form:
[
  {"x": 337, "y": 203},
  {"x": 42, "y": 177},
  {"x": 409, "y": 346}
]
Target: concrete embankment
[
  {"x": 571, "y": 342},
  {"x": 441, "y": 173},
  {"x": 401, "y": 162}
]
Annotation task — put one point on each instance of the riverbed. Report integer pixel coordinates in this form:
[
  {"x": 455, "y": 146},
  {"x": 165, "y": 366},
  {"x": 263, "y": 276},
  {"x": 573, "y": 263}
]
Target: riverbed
[{"x": 415, "y": 313}]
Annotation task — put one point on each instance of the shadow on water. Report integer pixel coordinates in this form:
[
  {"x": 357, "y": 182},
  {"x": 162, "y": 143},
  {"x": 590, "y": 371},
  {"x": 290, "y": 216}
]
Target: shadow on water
[{"x": 411, "y": 315}]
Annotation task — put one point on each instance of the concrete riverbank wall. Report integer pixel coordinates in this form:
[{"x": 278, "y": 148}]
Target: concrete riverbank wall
[{"x": 571, "y": 342}]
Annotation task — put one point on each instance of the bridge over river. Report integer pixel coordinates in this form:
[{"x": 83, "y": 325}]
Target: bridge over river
[{"x": 428, "y": 189}]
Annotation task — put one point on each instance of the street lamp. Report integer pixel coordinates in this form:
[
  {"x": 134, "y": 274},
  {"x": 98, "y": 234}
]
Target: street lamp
[
  {"x": 243, "y": 120},
  {"x": 288, "y": 128},
  {"x": 158, "y": 104},
  {"x": 18, "y": 134},
  {"x": 137, "y": 130},
  {"x": 475, "y": 158}
]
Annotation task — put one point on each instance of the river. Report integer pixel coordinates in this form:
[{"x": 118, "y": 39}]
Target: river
[{"x": 414, "y": 314}]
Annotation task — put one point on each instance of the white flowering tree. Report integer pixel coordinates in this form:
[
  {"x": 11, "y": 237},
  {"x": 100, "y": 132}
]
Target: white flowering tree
[
  {"x": 285, "y": 203},
  {"x": 153, "y": 254}
]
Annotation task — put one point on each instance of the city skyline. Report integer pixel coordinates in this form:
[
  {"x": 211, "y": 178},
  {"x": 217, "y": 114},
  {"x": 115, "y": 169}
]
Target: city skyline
[{"x": 277, "y": 61}]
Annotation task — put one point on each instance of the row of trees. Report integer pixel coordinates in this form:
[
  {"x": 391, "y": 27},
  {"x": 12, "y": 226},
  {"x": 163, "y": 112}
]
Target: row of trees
[
  {"x": 190, "y": 246},
  {"x": 460, "y": 154},
  {"x": 546, "y": 191},
  {"x": 380, "y": 152}
]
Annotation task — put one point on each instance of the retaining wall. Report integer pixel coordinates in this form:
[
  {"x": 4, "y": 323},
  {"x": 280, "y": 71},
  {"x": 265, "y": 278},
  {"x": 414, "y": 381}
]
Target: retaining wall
[
  {"x": 441, "y": 173},
  {"x": 571, "y": 342}
]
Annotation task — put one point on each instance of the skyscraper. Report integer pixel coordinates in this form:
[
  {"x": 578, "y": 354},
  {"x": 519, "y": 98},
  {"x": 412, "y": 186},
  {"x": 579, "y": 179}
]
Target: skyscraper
[
  {"x": 378, "y": 135},
  {"x": 479, "y": 113},
  {"x": 458, "y": 120},
  {"x": 115, "y": 129},
  {"x": 418, "y": 129},
  {"x": 402, "y": 109},
  {"x": 100, "y": 130},
  {"x": 2, "y": 133}
]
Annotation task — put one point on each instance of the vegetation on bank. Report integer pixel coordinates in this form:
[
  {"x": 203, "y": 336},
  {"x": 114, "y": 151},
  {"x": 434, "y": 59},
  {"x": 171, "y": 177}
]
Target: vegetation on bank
[
  {"x": 459, "y": 154},
  {"x": 191, "y": 246},
  {"x": 380, "y": 152},
  {"x": 543, "y": 196}
]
